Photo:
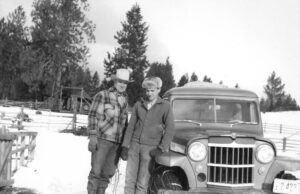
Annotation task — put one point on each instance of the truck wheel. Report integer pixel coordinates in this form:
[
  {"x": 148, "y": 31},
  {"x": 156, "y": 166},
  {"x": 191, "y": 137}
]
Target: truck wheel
[{"x": 164, "y": 178}]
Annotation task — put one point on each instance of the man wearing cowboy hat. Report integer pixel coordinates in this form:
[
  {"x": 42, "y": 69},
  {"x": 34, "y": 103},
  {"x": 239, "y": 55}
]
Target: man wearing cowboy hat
[{"x": 107, "y": 120}]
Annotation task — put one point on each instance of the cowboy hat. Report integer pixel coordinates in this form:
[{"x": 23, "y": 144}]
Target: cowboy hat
[{"x": 121, "y": 74}]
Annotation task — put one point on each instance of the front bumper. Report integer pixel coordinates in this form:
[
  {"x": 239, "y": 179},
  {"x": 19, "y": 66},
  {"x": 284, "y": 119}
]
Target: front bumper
[{"x": 216, "y": 191}]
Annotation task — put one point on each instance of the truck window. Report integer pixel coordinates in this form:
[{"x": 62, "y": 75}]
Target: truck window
[
  {"x": 201, "y": 110},
  {"x": 223, "y": 111},
  {"x": 230, "y": 110}
]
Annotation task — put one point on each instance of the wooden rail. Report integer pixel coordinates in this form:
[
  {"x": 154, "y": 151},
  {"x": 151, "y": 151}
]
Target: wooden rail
[
  {"x": 23, "y": 148},
  {"x": 286, "y": 145},
  {"x": 286, "y": 138},
  {"x": 16, "y": 149},
  {"x": 281, "y": 129},
  {"x": 47, "y": 119},
  {"x": 6, "y": 141}
]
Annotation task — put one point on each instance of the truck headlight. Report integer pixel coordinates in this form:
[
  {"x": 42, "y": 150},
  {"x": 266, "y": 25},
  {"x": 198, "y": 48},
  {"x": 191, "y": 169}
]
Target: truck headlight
[
  {"x": 264, "y": 153},
  {"x": 197, "y": 151}
]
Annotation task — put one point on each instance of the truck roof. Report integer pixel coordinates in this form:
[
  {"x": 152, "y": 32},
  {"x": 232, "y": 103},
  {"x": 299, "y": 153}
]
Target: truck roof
[{"x": 209, "y": 89}]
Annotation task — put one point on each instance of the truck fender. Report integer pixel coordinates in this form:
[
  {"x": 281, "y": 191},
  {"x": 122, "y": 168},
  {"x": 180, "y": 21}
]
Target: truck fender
[
  {"x": 178, "y": 160},
  {"x": 282, "y": 163}
]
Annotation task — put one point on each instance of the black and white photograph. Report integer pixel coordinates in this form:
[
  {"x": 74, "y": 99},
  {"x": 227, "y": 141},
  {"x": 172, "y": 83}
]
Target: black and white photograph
[{"x": 149, "y": 96}]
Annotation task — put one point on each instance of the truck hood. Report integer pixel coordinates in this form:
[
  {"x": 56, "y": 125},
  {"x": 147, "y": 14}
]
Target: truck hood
[{"x": 185, "y": 132}]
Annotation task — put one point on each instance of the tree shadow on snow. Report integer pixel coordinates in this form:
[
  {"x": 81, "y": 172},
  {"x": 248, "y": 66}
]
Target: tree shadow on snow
[
  {"x": 81, "y": 131},
  {"x": 16, "y": 190}
]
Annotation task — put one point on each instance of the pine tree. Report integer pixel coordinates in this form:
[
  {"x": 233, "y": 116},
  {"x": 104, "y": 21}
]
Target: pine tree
[
  {"x": 33, "y": 75},
  {"x": 274, "y": 91},
  {"x": 207, "y": 79},
  {"x": 288, "y": 103},
  {"x": 194, "y": 77},
  {"x": 60, "y": 33},
  {"x": 79, "y": 78},
  {"x": 105, "y": 84},
  {"x": 131, "y": 52},
  {"x": 183, "y": 80},
  {"x": 87, "y": 85},
  {"x": 169, "y": 81},
  {"x": 264, "y": 105},
  {"x": 95, "y": 84},
  {"x": 276, "y": 99},
  {"x": 165, "y": 72},
  {"x": 13, "y": 40}
]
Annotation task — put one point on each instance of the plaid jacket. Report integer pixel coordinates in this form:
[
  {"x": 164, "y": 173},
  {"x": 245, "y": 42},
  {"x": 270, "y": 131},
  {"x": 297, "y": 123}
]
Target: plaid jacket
[{"x": 108, "y": 115}]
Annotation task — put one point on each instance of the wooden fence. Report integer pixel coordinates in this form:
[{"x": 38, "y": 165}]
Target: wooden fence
[
  {"x": 27, "y": 104},
  {"x": 23, "y": 148},
  {"x": 47, "y": 119},
  {"x": 16, "y": 149},
  {"x": 6, "y": 142},
  {"x": 286, "y": 138}
]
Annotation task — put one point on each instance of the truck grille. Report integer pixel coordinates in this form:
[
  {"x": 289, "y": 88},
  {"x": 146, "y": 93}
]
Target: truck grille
[{"x": 230, "y": 164}]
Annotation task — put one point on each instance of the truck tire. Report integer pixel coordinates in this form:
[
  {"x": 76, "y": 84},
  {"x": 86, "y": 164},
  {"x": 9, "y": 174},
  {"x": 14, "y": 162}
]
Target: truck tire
[{"x": 164, "y": 178}]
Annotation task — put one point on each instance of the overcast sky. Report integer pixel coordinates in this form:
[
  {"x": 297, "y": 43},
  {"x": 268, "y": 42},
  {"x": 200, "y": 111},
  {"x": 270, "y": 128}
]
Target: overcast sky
[{"x": 236, "y": 41}]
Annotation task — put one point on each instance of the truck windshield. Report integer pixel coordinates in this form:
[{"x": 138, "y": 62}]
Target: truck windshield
[{"x": 216, "y": 111}]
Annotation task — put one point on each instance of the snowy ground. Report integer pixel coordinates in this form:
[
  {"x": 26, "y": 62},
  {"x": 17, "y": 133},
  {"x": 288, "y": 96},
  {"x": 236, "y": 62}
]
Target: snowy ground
[
  {"x": 289, "y": 118},
  {"x": 62, "y": 161}
]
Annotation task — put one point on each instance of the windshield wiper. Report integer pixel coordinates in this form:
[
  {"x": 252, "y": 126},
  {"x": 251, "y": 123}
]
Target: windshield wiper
[
  {"x": 238, "y": 122},
  {"x": 189, "y": 121}
]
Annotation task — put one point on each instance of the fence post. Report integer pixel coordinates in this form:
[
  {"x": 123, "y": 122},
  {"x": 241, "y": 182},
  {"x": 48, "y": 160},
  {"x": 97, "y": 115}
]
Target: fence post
[
  {"x": 23, "y": 150},
  {"x": 280, "y": 128},
  {"x": 36, "y": 104},
  {"x": 2, "y": 115},
  {"x": 81, "y": 96},
  {"x": 74, "y": 116},
  {"x": 32, "y": 144},
  {"x": 5, "y": 157},
  {"x": 17, "y": 154},
  {"x": 284, "y": 144},
  {"x": 20, "y": 118}
]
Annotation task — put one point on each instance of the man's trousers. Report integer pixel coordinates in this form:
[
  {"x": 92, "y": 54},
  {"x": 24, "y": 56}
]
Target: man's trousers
[
  {"x": 139, "y": 166},
  {"x": 104, "y": 163}
]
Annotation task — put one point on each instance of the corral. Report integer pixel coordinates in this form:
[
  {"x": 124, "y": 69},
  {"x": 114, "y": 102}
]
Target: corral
[{"x": 61, "y": 160}]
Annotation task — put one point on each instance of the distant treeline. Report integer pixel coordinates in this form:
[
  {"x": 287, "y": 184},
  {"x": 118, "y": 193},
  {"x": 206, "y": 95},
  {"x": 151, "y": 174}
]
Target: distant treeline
[
  {"x": 276, "y": 98},
  {"x": 37, "y": 61}
]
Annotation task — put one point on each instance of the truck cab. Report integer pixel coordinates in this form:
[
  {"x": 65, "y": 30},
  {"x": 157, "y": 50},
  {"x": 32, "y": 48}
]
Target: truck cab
[{"x": 219, "y": 145}]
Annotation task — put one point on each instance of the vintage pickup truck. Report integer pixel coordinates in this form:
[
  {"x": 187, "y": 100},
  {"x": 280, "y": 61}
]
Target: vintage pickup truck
[{"x": 219, "y": 146}]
